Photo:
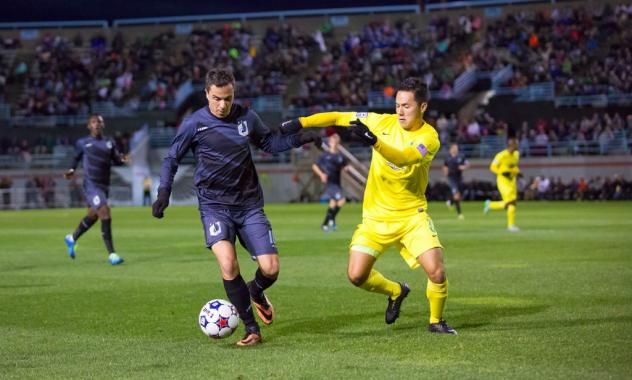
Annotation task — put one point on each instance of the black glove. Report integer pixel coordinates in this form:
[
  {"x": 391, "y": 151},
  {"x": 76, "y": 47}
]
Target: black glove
[
  {"x": 290, "y": 127},
  {"x": 308, "y": 135},
  {"x": 359, "y": 129},
  {"x": 507, "y": 175},
  {"x": 161, "y": 203}
]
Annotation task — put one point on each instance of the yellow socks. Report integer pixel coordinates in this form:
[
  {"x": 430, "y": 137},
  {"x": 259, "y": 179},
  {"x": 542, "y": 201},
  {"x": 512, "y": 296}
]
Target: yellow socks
[
  {"x": 377, "y": 283},
  {"x": 497, "y": 205},
  {"x": 437, "y": 294},
  {"x": 511, "y": 215}
]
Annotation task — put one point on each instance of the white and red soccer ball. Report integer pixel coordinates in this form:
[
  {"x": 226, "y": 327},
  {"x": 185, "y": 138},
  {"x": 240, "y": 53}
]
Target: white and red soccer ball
[{"x": 218, "y": 319}]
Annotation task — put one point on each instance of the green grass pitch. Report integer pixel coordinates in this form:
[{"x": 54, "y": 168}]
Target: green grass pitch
[{"x": 553, "y": 301}]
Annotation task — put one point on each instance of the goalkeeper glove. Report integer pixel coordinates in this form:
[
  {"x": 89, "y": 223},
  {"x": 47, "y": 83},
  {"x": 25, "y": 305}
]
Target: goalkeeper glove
[
  {"x": 360, "y": 129},
  {"x": 161, "y": 203},
  {"x": 507, "y": 175}
]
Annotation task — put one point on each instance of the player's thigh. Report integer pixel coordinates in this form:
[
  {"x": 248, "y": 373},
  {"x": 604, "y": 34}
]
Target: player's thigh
[
  {"x": 432, "y": 262},
  {"x": 369, "y": 241},
  {"x": 359, "y": 266},
  {"x": 508, "y": 191},
  {"x": 104, "y": 212},
  {"x": 255, "y": 233},
  {"x": 420, "y": 236},
  {"x": 226, "y": 256}
]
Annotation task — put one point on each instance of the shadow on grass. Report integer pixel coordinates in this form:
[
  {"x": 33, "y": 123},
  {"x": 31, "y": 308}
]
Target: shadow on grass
[{"x": 364, "y": 324}]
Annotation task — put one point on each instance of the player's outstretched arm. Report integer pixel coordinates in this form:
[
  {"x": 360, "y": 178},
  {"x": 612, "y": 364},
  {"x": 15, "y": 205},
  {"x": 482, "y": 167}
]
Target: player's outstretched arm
[
  {"x": 407, "y": 156},
  {"x": 321, "y": 120}
]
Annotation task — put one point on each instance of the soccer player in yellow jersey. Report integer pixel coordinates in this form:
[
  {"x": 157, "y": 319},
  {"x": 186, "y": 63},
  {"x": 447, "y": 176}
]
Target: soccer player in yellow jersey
[
  {"x": 395, "y": 209},
  {"x": 505, "y": 166}
]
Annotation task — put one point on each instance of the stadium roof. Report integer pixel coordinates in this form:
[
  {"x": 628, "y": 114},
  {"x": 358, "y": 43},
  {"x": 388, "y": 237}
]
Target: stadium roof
[{"x": 59, "y": 10}]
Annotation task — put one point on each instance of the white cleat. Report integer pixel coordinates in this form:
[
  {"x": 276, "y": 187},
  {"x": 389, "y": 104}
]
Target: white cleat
[{"x": 513, "y": 228}]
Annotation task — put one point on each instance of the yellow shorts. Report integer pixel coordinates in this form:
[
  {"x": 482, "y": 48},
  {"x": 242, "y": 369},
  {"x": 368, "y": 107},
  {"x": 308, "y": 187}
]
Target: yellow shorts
[
  {"x": 507, "y": 189},
  {"x": 412, "y": 236}
]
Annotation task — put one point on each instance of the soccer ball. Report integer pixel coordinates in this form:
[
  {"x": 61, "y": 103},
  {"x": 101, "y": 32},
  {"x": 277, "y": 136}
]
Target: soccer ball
[{"x": 218, "y": 319}]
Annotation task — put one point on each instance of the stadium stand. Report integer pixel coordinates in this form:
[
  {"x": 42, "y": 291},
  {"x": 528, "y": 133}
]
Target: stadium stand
[{"x": 550, "y": 74}]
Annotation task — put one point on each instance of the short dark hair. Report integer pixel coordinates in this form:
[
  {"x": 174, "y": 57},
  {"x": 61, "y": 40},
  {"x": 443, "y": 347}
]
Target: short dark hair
[
  {"x": 219, "y": 77},
  {"x": 94, "y": 115},
  {"x": 417, "y": 87}
]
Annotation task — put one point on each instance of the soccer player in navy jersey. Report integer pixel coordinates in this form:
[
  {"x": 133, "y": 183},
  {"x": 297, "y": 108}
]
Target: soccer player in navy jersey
[
  {"x": 328, "y": 168},
  {"x": 229, "y": 194},
  {"x": 453, "y": 168},
  {"x": 97, "y": 153}
]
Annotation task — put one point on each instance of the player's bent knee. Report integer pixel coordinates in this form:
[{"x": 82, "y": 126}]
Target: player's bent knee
[
  {"x": 437, "y": 276},
  {"x": 356, "y": 279}
]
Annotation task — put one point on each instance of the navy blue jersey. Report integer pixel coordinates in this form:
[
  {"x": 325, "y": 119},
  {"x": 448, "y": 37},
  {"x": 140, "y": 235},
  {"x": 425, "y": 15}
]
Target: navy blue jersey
[
  {"x": 453, "y": 164},
  {"x": 225, "y": 174},
  {"x": 98, "y": 155},
  {"x": 331, "y": 164}
]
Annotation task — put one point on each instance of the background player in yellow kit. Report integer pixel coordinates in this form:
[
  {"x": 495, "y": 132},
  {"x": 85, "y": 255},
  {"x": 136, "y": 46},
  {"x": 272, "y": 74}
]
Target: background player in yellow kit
[
  {"x": 505, "y": 166},
  {"x": 394, "y": 212}
]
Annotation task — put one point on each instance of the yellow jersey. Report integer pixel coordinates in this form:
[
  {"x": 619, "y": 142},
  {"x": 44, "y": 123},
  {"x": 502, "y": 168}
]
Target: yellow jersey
[
  {"x": 505, "y": 162},
  {"x": 392, "y": 192}
]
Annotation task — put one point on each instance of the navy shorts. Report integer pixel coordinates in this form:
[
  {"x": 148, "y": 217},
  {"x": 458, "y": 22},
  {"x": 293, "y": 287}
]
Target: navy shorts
[
  {"x": 333, "y": 191},
  {"x": 251, "y": 227},
  {"x": 455, "y": 185},
  {"x": 96, "y": 195}
]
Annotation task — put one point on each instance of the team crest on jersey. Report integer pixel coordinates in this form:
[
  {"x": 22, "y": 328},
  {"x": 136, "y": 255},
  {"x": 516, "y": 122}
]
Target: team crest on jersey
[
  {"x": 215, "y": 229},
  {"x": 108, "y": 144},
  {"x": 242, "y": 128}
]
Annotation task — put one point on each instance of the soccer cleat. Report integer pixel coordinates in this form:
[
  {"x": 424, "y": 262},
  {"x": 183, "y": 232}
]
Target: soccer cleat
[
  {"x": 332, "y": 225},
  {"x": 252, "y": 337},
  {"x": 115, "y": 259},
  {"x": 488, "y": 204},
  {"x": 448, "y": 204},
  {"x": 393, "y": 307},
  {"x": 71, "y": 244},
  {"x": 513, "y": 228},
  {"x": 324, "y": 227},
  {"x": 441, "y": 328},
  {"x": 264, "y": 308},
  {"x": 461, "y": 217}
]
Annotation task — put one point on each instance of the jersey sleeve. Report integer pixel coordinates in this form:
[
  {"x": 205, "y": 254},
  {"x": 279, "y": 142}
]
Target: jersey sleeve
[
  {"x": 78, "y": 154},
  {"x": 428, "y": 147},
  {"x": 496, "y": 163},
  {"x": 339, "y": 119},
  {"x": 115, "y": 154},
  {"x": 179, "y": 148},
  {"x": 266, "y": 140}
]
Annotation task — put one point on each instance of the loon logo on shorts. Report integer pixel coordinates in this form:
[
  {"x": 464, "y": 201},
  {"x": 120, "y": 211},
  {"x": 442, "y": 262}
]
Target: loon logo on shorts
[
  {"x": 242, "y": 128},
  {"x": 214, "y": 229},
  {"x": 108, "y": 144},
  {"x": 96, "y": 200}
]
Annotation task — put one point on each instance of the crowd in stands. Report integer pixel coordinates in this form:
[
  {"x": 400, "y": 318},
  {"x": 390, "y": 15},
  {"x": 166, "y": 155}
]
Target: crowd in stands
[
  {"x": 602, "y": 133},
  {"x": 603, "y": 188},
  {"x": 67, "y": 76},
  {"x": 583, "y": 50},
  {"x": 379, "y": 56}
]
